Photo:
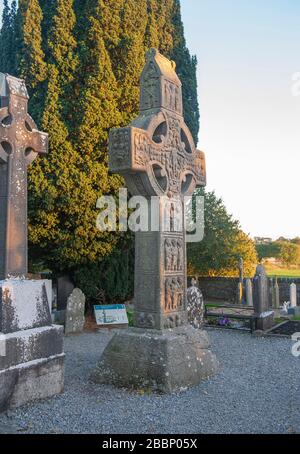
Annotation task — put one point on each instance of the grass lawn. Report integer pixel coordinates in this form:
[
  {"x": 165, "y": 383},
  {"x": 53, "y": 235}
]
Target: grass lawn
[{"x": 282, "y": 272}]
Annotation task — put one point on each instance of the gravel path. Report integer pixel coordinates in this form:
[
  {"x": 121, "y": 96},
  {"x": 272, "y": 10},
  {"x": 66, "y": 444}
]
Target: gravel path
[{"x": 257, "y": 391}]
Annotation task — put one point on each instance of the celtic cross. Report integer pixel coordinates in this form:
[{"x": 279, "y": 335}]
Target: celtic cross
[
  {"x": 157, "y": 156},
  {"x": 20, "y": 143}
]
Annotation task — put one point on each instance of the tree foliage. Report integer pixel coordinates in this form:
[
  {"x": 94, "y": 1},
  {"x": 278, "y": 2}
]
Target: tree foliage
[
  {"x": 223, "y": 244},
  {"x": 7, "y": 38},
  {"x": 289, "y": 253},
  {"x": 82, "y": 60}
]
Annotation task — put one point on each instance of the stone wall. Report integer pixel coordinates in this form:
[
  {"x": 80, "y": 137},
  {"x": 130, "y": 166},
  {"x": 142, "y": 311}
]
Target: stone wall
[{"x": 225, "y": 288}]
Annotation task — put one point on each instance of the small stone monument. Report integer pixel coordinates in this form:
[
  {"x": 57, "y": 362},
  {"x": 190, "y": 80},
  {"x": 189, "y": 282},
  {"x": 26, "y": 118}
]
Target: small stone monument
[
  {"x": 249, "y": 293},
  {"x": 195, "y": 305},
  {"x": 157, "y": 156},
  {"x": 33, "y": 364},
  {"x": 265, "y": 317},
  {"x": 276, "y": 295},
  {"x": 241, "y": 281},
  {"x": 293, "y": 295},
  {"x": 75, "y": 312},
  {"x": 293, "y": 308}
]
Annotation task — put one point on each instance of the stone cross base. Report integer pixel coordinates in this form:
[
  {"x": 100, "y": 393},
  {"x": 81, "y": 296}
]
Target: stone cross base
[
  {"x": 31, "y": 348},
  {"x": 162, "y": 361},
  {"x": 265, "y": 321}
]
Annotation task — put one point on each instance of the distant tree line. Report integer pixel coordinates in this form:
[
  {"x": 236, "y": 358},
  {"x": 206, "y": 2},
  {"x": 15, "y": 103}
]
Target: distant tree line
[{"x": 284, "y": 250}]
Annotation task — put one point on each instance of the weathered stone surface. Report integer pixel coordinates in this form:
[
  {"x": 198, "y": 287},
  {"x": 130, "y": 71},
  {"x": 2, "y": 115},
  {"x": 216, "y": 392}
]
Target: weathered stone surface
[
  {"x": 293, "y": 295},
  {"x": 20, "y": 143},
  {"x": 30, "y": 381},
  {"x": 75, "y": 312},
  {"x": 65, "y": 287},
  {"x": 260, "y": 291},
  {"x": 31, "y": 350},
  {"x": 31, "y": 344},
  {"x": 265, "y": 321},
  {"x": 240, "y": 298},
  {"x": 276, "y": 293},
  {"x": 261, "y": 300},
  {"x": 23, "y": 305},
  {"x": 249, "y": 293},
  {"x": 162, "y": 361},
  {"x": 195, "y": 305},
  {"x": 157, "y": 156}
]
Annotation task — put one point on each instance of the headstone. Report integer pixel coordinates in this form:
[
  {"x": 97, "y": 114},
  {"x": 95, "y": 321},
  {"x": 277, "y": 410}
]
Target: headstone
[
  {"x": 195, "y": 305},
  {"x": 276, "y": 295},
  {"x": 249, "y": 293},
  {"x": 293, "y": 295},
  {"x": 241, "y": 281},
  {"x": 33, "y": 364},
  {"x": 157, "y": 157},
  {"x": 265, "y": 317},
  {"x": 20, "y": 143},
  {"x": 65, "y": 287},
  {"x": 75, "y": 312}
]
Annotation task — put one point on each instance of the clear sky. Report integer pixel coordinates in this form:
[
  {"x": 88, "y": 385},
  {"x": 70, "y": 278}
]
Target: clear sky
[{"x": 250, "y": 122}]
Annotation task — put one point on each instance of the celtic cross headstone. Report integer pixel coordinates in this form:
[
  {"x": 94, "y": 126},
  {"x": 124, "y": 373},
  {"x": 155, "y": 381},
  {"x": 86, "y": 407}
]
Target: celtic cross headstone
[
  {"x": 157, "y": 157},
  {"x": 33, "y": 365},
  {"x": 20, "y": 143}
]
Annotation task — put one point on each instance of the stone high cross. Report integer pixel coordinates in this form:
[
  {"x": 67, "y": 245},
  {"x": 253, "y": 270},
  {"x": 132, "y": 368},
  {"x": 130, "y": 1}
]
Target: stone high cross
[
  {"x": 157, "y": 156},
  {"x": 20, "y": 143}
]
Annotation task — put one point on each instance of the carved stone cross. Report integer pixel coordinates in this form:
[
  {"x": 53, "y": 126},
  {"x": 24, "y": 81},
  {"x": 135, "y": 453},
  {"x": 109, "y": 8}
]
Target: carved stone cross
[
  {"x": 20, "y": 143},
  {"x": 157, "y": 156}
]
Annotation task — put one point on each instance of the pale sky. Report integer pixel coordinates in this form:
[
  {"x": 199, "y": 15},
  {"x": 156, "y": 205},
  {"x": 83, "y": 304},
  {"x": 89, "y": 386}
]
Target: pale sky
[{"x": 250, "y": 122}]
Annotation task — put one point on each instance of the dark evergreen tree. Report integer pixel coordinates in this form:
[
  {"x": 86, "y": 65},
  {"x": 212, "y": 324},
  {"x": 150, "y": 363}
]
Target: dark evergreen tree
[
  {"x": 131, "y": 56},
  {"x": 7, "y": 38},
  {"x": 29, "y": 55},
  {"x": 187, "y": 72}
]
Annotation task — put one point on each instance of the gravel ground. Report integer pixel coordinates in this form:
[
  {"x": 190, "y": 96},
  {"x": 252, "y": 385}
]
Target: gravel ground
[{"x": 256, "y": 391}]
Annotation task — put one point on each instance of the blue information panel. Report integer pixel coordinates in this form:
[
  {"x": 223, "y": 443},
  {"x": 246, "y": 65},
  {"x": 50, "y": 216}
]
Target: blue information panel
[{"x": 114, "y": 314}]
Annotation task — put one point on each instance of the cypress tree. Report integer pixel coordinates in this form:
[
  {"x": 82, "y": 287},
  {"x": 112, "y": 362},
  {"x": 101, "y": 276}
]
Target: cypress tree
[
  {"x": 131, "y": 56},
  {"x": 7, "y": 38},
  {"x": 187, "y": 72},
  {"x": 151, "y": 34},
  {"x": 62, "y": 52},
  {"x": 165, "y": 27},
  {"x": 98, "y": 110},
  {"x": 30, "y": 56},
  {"x": 66, "y": 177}
]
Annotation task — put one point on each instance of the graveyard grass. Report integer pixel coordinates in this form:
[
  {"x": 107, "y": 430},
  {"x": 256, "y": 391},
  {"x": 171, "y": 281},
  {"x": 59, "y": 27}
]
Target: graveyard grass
[{"x": 275, "y": 271}]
